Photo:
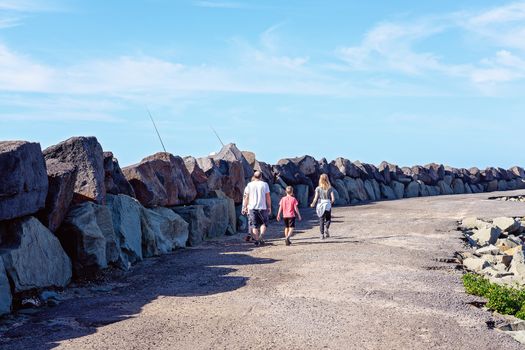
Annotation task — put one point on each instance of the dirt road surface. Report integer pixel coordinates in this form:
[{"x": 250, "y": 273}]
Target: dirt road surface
[{"x": 375, "y": 284}]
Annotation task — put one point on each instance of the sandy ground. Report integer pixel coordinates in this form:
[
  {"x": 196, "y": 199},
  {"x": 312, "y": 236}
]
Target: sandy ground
[{"x": 375, "y": 284}]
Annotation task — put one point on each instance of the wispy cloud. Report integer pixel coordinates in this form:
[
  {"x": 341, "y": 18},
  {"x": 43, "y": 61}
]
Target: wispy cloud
[{"x": 392, "y": 46}]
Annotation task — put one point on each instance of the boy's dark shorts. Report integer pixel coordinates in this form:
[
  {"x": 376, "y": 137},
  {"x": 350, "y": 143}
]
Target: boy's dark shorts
[
  {"x": 257, "y": 218},
  {"x": 289, "y": 222}
]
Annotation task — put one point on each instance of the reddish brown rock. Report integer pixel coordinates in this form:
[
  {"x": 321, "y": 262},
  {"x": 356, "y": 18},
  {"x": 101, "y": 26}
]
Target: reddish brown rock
[
  {"x": 23, "y": 179},
  {"x": 161, "y": 180},
  {"x": 198, "y": 176}
]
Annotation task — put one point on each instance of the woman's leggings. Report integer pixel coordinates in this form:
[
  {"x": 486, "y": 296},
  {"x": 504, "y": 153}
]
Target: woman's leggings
[{"x": 325, "y": 220}]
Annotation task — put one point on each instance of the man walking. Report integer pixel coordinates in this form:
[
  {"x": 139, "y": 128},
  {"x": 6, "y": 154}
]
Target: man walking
[{"x": 258, "y": 204}]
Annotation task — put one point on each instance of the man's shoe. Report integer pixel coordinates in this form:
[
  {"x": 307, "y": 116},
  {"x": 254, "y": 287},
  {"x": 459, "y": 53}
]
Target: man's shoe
[{"x": 322, "y": 236}]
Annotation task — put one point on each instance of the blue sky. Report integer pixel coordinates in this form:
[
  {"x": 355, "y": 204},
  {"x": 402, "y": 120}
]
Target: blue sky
[{"x": 410, "y": 82}]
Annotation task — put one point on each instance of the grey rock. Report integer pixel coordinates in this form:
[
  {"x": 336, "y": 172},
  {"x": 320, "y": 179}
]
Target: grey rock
[
  {"x": 83, "y": 240},
  {"x": 345, "y": 168},
  {"x": 490, "y": 250},
  {"x": 377, "y": 189},
  {"x": 369, "y": 188},
  {"x": 114, "y": 179},
  {"x": 470, "y": 223},
  {"x": 517, "y": 265},
  {"x": 5, "y": 291},
  {"x": 507, "y": 224},
  {"x": 423, "y": 189},
  {"x": 492, "y": 186},
  {"x": 24, "y": 184},
  {"x": 231, "y": 153},
  {"x": 265, "y": 169},
  {"x": 162, "y": 231},
  {"x": 518, "y": 171},
  {"x": 486, "y": 235},
  {"x": 301, "y": 193},
  {"x": 468, "y": 189},
  {"x": 86, "y": 154},
  {"x": 475, "y": 264},
  {"x": 356, "y": 188},
  {"x": 399, "y": 189},
  {"x": 232, "y": 216},
  {"x": 412, "y": 189},
  {"x": 198, "y": 176},
  {"x": 216, "y": 210},
  {"x": 387, "y": 192},
  {"x": 125, "y": 212},
  {"x": 502, "y": 185},
  {"x": 340, "y": 186},
  {"x": 62, "y": 178},
  {"x": 199, "y": 223},
  {"x": 458, "y": 186},
  {"x": 233, "y": 179},
  {"x": 32, "y": 255},
  {"x": 444, "y": 188},
  {"x": 250, "y": 157}
]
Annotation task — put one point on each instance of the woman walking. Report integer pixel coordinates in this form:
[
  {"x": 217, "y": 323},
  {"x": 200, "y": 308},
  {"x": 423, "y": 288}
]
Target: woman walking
[{"x": 324, "y": 198}]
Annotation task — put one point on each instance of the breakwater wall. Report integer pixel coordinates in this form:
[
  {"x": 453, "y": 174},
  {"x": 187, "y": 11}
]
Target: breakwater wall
[{"x": 71, "y": 210}]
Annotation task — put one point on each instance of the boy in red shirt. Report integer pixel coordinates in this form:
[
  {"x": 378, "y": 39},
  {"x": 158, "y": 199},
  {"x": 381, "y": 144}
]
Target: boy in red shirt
[{"x": 288, "y": 207}]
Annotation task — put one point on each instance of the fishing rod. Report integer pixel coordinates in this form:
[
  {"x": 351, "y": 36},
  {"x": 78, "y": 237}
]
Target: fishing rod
[
  {"x": 157, "y": 130},
  {"x": 215, "y": 132}
]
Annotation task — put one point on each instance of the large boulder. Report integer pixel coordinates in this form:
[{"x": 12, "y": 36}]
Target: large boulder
[
  {"x": 162, "y": 231},
  {"x": 345, "y": 167},
  {"x": 412, "y": 189},
  {"x": 250, "y": 157},
  {"x": 491, "y": 186},
  {"x": 369, "y": 171},
  {"x": 474, "y": 175},
  {"x": 265, "y": 169},
  {"x": 23, "y": 184},
  {"x": 458, "y": 186},
  {"x": 387, "y": 192},
  {"x": 444, "y": 187},
  {"x": 290, "y": 173},
  {"x": 309, "y": 167},
  {"x": 232, "y": 213},
  {"x": 199, "y": 223},
  {"x": 340, "y": 186},
  {"x": 86, "y": 154},
  {"x": 399, "y": 189},
  {"x": 233, "y": 179},
  {"x": 422, "y": 174},
  {"x": 217, "y": 211},
  {"x": 301, "y": 193},
  {"x": 114, "y": 179},
  {"x": 87, "y": 243},
  {"x": 435, "y": 171},
  {"x": 198, "y": 176},
  {"x": 384, "y": 170},
  {"x": 369, "y": 188},
  {"x": 230, "y": 153},
  {"x": 62, "y": 178},
  {"x": 125, "y": 213},
  {"x": 32, "y": 255},
  {"x": 161, "y": 180},
  {"x": 518, "y": 171},
  {"x": 356, "y": 188},
  {"x": 5, "y": 291},
  {"x": 486, "y": 235},
  {"x": 212, "y": 172}
]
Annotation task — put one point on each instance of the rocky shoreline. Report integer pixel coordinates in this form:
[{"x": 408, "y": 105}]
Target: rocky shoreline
[{"x": 70, "y": 211}]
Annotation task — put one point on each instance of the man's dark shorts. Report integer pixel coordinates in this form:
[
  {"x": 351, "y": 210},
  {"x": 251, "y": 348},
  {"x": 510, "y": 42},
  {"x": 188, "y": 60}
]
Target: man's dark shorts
[
  {"x": 289, "y": 222},
  {"x": 257, "y": 217}
]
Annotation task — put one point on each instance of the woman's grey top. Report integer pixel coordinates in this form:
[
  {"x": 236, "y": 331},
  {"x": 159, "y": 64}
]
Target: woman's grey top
[{"x": 324, "y": 194}]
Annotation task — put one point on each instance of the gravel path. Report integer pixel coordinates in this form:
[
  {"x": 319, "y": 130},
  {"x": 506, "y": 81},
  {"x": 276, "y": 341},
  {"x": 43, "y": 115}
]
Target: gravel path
[{"x": 375, "y": 284}]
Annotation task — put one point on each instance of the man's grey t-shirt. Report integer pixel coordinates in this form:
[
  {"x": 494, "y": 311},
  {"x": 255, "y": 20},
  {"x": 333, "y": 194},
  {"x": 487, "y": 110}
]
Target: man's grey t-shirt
[
  {"x": 324, "y": 194},
  {"x": 256, "y": 191}
]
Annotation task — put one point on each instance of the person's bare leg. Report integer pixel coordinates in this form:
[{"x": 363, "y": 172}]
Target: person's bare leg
[
  {"x": 286, "y": 232},
  {"x": 255, "y": 234},
  {"x": 290, "y": 232},
  {"x": 263, "y": 231}
]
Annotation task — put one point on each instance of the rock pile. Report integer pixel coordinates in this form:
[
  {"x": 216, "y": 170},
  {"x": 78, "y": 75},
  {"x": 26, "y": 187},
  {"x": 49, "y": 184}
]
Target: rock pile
[
  {"x": 70, "y": 210},
  {"x": 497, "y": 248}
]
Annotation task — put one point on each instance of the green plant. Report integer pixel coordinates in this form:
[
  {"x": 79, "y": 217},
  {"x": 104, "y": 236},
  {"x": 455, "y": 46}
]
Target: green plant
[{"x": 503, "y": 299}]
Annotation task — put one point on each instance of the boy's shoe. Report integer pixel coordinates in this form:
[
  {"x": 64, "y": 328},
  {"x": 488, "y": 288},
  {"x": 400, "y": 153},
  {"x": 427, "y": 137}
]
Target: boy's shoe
[
  {"x": 287, "y": 241},
  {"x": 256, "y": 243},
  {"x": 261, "y": 241},
  {"x": 326, "y": 233}
]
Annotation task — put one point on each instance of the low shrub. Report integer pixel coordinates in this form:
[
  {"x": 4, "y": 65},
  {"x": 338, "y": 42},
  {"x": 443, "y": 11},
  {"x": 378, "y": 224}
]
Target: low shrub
[{"x": 503, "y": 299}]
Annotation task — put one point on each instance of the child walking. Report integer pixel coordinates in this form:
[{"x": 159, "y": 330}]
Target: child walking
[
  {"x": 288, "y": 207},
  {"x": 323, "y": 200}
]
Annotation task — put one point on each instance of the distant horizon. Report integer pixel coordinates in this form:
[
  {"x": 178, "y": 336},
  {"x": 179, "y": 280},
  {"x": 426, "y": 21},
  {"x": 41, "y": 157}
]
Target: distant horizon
[{"x": 408, "y": 82}]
